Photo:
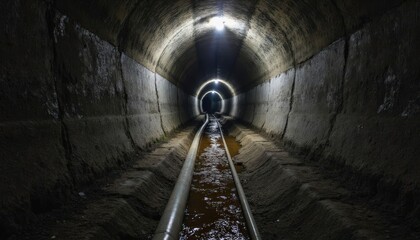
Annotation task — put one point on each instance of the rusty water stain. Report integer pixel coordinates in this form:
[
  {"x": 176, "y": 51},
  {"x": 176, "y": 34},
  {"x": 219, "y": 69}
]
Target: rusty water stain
[
  {"x": 234, "y": 147},
  {"x": 213, "y": 209}
]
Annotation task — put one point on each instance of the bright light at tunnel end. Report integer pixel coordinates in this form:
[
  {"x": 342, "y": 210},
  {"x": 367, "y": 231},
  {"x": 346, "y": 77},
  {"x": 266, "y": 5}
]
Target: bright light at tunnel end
[{"x": 218, "y": 23}]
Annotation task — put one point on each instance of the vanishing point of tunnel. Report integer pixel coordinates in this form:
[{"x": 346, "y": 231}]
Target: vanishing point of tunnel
[{"x": 309, "y": 109}]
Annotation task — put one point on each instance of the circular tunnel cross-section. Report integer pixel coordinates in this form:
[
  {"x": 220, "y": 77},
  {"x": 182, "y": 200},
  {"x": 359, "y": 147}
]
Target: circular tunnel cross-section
[{"x": 88, "y": 89}]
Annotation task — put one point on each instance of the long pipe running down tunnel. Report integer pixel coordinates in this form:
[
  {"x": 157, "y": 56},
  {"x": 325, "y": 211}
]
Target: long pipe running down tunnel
[{"x": 100, "y": 101}]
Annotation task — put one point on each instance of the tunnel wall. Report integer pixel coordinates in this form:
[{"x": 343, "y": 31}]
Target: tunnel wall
[
  {"x": 73, "y": 107},
  {"x": 355, "y": 104}
]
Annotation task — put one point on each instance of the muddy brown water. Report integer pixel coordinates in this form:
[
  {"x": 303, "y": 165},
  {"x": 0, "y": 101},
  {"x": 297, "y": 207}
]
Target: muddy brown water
[
  {"x": 234, "y": 147},
  {"x": 213, "y": 210}
]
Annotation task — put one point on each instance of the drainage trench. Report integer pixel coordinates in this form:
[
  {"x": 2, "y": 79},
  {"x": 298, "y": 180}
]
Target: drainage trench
[{"x": 214, "y": 210}]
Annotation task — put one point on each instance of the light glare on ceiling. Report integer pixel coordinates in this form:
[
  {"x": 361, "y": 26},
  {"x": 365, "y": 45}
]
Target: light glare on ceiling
[
  {"x": 200, "y": 89},
  {"x": 218, "y": 23}
]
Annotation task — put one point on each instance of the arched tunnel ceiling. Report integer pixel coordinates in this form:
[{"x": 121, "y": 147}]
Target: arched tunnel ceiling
[{"x": 262, "y": 38}]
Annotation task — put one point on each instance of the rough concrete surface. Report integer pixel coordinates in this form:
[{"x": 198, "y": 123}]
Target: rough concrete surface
[
  {"x": 142, "y": 103},
  {"x": 30, "y": 133},
  {"x": 168, "y": 103},
  {"x": 127, "y": 205},
  {"x": 291, "y": 199},
  {"x": 91, "y": 94},
  {"x": 72, "y": 108},
  {"x": 280, "y": 91},
  {"x": 316, "y": 96},
  {"x": 267, "y": 37},
  {"x": 354, "y": 106},
  {"x": 380, "y": 94},
  {"x": 248, "y": 114},
  {"x": 261, "y": 100}
]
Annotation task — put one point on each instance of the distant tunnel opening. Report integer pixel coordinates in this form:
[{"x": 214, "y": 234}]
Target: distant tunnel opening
[{"x": 212, "y": 102}]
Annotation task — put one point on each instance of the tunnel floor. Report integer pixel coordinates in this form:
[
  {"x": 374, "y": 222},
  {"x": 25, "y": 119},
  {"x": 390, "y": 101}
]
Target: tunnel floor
[
  {"x": 294, "y": 198},
  {"x": 124, "y": 204},
  {"x": 213, "y": 208},
  {"x": 290, "y": 198}
]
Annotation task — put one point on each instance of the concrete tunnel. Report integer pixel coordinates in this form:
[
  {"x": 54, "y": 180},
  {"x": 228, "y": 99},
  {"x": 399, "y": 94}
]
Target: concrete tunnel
[{"x": 324, "y": 97}]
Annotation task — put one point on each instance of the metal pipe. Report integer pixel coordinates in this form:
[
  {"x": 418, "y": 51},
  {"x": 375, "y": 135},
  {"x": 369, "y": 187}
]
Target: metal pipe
[
  {"x": 250, "y": 221},
  {"x": 171, "y": 222}
]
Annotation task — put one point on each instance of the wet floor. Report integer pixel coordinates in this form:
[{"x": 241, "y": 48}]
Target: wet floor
[
  {"x": 213, "y": 209},
  {"x": 234, "y": 147}
]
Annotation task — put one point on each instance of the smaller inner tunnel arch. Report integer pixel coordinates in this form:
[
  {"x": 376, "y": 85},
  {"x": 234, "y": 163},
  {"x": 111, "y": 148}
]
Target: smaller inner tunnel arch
[
  {"x": 212, "y": 92},
  {"x": 216, "y": 81}
]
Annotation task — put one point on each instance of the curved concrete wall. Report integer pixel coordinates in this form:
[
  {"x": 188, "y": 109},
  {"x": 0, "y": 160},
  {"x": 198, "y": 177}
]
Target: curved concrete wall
[
  {"x": 355, "y": 104},
  {"x": 75, "y": 102},
  {"x": 73, "y": 106}
]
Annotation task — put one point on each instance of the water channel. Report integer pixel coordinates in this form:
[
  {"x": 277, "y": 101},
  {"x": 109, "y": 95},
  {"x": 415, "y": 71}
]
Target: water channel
[{"x": 213, "y": 210}]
